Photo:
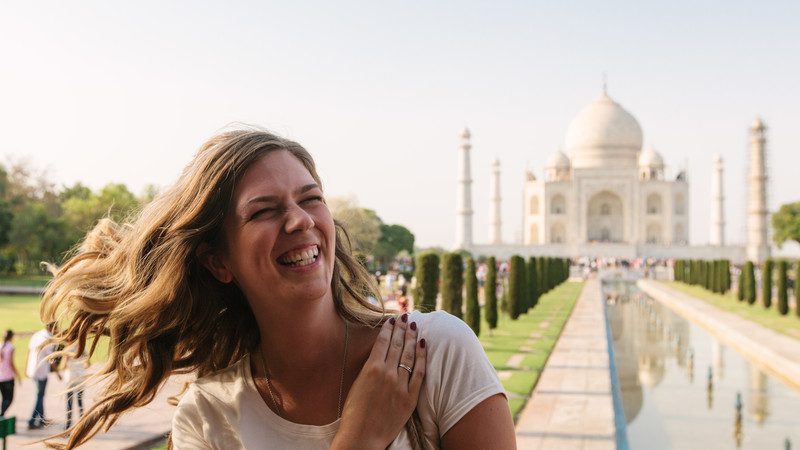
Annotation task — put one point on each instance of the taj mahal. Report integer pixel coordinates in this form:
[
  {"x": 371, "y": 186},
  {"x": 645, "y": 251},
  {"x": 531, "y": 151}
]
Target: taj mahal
[{"x": 608, "y": 196}]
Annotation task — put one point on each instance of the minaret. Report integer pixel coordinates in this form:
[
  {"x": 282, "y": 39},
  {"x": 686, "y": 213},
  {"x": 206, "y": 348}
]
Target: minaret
[
  {"x": 717, "y": 235},
  {"x": 495, "y": 222},
  {"x": 757, "y": 248},
  {"x": 464, "y": 205}
]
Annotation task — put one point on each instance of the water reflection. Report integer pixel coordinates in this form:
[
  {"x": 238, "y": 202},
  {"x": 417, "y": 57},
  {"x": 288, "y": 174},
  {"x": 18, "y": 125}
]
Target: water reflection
[{"x": 681, "y": 388}]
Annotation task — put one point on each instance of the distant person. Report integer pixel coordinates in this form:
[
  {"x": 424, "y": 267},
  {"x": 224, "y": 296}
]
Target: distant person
[
  {"x": 75, "y": 376},
  {"x": 38, "y": 370},
  {"x": 8, "y": 372},
  {"x": 402, "y": 299}
]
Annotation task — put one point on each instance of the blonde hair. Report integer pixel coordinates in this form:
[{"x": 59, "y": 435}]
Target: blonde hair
[{"x": 141, "y": 284}]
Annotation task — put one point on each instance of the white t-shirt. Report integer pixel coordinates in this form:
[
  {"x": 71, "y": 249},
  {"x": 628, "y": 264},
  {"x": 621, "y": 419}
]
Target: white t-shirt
[
  {"x": 38, "y": 365},
  {"x": 225, "y": 411}
]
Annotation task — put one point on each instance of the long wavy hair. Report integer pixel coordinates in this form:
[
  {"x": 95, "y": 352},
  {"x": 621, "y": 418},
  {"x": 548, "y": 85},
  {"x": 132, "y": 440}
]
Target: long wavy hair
[{"x": 141, "y": 284}]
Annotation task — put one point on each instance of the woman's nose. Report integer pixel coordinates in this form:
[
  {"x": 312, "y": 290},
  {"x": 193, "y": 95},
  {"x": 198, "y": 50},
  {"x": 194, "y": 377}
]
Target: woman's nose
[{"x": 298, "y": 219}]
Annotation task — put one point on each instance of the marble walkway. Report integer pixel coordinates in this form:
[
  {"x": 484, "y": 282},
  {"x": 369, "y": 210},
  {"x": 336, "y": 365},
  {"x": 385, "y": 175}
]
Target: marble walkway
[{"x": 572, "y": 406}]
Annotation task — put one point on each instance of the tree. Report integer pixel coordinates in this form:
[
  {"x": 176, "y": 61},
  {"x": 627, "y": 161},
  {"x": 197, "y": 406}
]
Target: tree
[
  {"x": 490, "y": 294},
  {"x": 783, "y": 291},
  {"x": 427, "y": 275},
  {"x": 749, "y": 282},
  {"x": 533, "y": 286},
  {"x": 797, "y": 289},
  {"x": 393, "y": 239},
  {"x": 452, "y": 283},
  {"x": 786, "y": 224},
  {"x": 766, "y": 283},
  {"x": 516, "y": 286},
  {"x": 741, "y": 291},
  {"x": 473, "y": 309},
  {"x": 363, "y": 225}
]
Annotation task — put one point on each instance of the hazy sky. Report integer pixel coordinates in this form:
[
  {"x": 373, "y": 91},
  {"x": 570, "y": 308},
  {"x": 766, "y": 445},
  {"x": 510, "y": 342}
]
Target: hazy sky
[{"x": 103, "y": 91}]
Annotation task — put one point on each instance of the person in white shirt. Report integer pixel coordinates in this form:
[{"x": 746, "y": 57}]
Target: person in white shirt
[
  {"x": 239, "y": 274},
  {"x": 38, "y": 369},
  {"x": 76, "y": 372}
]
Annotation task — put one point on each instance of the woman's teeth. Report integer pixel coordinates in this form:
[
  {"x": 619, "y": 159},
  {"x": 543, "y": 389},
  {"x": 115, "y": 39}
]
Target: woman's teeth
[{"x": 301, "y": 258}]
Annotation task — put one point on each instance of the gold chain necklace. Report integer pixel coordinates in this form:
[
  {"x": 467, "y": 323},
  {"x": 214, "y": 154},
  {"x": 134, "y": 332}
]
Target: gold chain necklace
[{"x": 341, "y": 381}]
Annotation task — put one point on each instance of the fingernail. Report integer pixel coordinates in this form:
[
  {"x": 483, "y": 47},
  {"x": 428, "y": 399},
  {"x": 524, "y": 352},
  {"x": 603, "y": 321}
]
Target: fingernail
[
  {"x": 422, "y": 342},
  {"x": 404, "y": 318},
  {"x": 413, "y": 325},
  {"x": 392, "y": 321}
]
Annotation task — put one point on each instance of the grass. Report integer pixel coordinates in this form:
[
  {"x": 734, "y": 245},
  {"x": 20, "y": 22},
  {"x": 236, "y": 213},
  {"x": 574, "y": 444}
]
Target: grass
[
  {"x": 30, "y": 280},
  {"x": 769, "y": 318},
  {"x": 21, "y": 314},
  {"x": 548, "y": 318}
]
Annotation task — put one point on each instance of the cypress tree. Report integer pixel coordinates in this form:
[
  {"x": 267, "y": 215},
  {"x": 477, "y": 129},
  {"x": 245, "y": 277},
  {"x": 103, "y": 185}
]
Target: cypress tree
[
  {"x": 427, "y": 275},
  {"x": 740, "y": 288},
  {"x": 710, "y": 275},
  {"x": 766, "y": 283},
  {"x": 516, "y": 283},
  {"x": 783, "y": 292},
  {"x": 797, "y": 289},
  {"x": 726, "y": 275},
  {"x": 676, "y": 269},
  {"x": 749, "y": 282},
  {"x": 540, "y": 282},
  {"x": 473, "y": 310},
  {"x": 718, "y": 276},
  {"x": 452, "y": 283},
  {"x": 490, "y": 294},
  {"x": 533, "y": 287}
]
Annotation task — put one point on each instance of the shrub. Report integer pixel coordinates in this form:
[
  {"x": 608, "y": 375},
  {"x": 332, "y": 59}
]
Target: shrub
[
  {"x": 766, "y": 283},
  {"x": 749, "y": 283},
  {"x": 490, "y": 293},
  {"x": 533, "y": 286},
  {"x": 516, "y": 285},
  {"x": 473, "y": 311},
  {"x": 427, "y": 275},
  {"x": 783, "y": 292},
  {"x": 452, "y": 283}
]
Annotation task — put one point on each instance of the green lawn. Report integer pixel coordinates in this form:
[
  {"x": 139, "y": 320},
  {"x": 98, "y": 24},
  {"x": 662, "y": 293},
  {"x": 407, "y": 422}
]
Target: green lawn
[
  {"x": 21, "y": 314},
  {"x": 770, "y": 318},
  {"x": 554, "y": 309},
  {"x": 30, "y": 280}
]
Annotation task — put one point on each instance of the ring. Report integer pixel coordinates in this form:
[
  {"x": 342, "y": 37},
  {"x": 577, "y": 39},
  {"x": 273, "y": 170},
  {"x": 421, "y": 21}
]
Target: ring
[{"x": 403, "y": 366}]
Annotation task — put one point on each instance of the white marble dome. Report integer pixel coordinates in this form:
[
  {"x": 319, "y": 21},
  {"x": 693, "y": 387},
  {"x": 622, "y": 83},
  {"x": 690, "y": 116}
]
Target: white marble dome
[
  {"x": 558, "y": 160},
  {"x": 604, "y": 135},
  {"x": 650, "y": 158}
]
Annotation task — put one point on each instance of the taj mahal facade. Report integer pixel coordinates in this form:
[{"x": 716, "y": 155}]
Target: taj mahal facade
[{"x": 607, "y": 196}]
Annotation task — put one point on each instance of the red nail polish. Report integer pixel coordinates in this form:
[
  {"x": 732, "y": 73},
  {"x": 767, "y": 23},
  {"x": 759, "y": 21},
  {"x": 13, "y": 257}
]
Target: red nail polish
[
  {"x": 404, "y": 318},
  {"x": 413, "y": 325},
  {"x": 422, "y": 342},
  {"x": 392, "y": 321}
]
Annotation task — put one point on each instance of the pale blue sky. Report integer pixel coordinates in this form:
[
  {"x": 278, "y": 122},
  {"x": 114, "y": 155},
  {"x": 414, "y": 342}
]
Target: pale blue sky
[{"x": 104, "y": 92}]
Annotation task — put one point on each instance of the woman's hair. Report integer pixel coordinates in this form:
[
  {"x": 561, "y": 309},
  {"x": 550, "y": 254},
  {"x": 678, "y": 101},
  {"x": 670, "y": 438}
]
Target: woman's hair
[
  {"x": 141, "y": 284},
  {"x": 9, "y": 335}
]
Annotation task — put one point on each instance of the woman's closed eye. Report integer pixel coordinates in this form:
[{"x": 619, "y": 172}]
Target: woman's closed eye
[{"x": 312, "y": 199}]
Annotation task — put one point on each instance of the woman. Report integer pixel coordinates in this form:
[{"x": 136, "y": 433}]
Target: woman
[
  {"x": 8, "y": 372},
  {"x": 238, "y": 273}
]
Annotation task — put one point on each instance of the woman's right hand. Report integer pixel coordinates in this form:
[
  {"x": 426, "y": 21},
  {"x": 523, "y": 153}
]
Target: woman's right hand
[{"x": 384, "y": 395}]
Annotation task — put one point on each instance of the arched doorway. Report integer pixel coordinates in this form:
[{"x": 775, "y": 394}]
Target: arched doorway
[{"x": 605, "y": 218}]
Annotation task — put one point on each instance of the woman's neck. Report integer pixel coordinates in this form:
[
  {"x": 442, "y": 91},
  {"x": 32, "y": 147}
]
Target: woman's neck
[{"x": 298, "y": 340}]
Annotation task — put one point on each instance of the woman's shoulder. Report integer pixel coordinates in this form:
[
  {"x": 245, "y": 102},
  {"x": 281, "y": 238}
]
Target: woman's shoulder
[{"x": 440, "y": 325}]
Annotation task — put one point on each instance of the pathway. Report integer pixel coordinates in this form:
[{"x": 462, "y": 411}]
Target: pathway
[
  {"x": 571, "y": 406},
  {"x": 135, "y": 430}
]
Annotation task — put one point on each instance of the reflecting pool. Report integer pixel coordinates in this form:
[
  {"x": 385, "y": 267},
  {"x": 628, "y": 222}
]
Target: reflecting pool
[{"x": 682, "y": 389}]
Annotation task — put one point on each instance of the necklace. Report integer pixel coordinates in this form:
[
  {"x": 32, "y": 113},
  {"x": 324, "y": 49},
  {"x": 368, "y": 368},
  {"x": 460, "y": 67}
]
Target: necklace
[{"x": 341, "y": 380}]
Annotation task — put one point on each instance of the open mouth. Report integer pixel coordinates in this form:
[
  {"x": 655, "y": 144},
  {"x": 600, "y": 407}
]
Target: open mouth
[{"x": 300, "y": 258}]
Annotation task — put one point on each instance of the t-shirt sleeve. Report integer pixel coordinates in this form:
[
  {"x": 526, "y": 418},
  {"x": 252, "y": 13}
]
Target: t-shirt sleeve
[
  {"x": 458, "y": 376},
  {"x": 187, "y": 424}
]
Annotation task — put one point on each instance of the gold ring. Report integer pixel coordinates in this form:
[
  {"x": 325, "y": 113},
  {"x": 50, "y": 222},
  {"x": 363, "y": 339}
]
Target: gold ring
[{"x": 403, "y": 366}]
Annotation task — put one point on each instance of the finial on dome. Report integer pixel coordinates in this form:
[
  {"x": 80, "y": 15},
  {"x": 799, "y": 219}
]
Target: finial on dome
[
  {"x": 605, "y": 83},
  {"x": 758, "y": 124}
]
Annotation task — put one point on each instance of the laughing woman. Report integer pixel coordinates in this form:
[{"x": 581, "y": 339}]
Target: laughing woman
[{"x": 239, "y": 275}]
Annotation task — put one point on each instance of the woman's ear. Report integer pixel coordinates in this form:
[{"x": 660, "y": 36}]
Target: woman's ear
[{"x": 209, "y": 258}]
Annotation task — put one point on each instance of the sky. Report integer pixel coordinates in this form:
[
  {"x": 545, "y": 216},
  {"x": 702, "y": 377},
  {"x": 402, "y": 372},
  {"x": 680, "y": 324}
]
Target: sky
[{"x": 100, "y": 92}]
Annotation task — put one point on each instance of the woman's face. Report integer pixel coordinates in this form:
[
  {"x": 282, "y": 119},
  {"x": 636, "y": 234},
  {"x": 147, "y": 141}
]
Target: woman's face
[{"x": 279, "y": 234}]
